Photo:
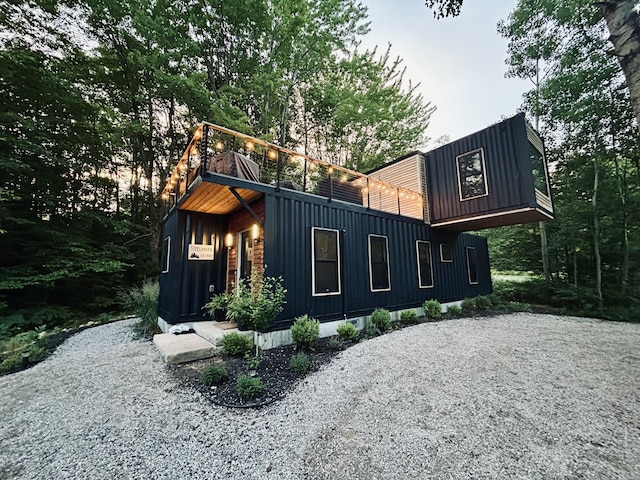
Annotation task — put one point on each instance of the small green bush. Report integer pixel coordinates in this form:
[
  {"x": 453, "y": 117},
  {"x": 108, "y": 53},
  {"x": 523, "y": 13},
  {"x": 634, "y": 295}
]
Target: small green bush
[
  {"x": 454, "y": 311},
  {"x": 483, "y": 302},
  {"x": 408, "y": 317},
  {"x": 348, "y": 332},
  {"x": 26, "y": 346},
  {"x": 336, "y": 344},
  {"x": 236, "y": 345},
  {"x": 248, "y": 388},
  {"x": 370, "y": 331},
  {"x": 300, "y": 363},
  {"x": 432, "y": 309},
  {"x": 381, "y": 318},
  {"x": 143, "y": 302},
  {"x": 214, "y": 374},
  {"x": 305, "y": 332},
  {"x": 468, "y": 306}
]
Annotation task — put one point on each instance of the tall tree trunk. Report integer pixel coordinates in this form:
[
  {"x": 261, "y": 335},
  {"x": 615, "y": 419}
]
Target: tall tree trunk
[
  {"x": 596, "y": 233},
  {"x": 624, "y": 33}
]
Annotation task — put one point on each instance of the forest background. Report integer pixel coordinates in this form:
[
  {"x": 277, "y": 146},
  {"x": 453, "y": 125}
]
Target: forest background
[{"x": 100, "y": 97}]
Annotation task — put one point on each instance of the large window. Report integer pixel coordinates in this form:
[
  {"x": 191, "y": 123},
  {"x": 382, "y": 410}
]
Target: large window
[
  {"x": 379, "y": 263},
  {"x": 166, "y": 252},
  {"x": 472, "y": 267},
  {"x": 325, "y": 261},
  {"x": 472, "y": 180},
  {"x": 425, "y": 265}
]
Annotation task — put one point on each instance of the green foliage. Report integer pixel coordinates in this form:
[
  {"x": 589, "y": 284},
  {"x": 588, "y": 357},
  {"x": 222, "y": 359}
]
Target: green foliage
[
  {"x": 300, "y": 363},
  {"x": 236, "y": 345},
  {"x": 348, "y": 332},
  {"x": 249, "y": 388},
  {"x": 468, "y": 306},
  {"x": 29, "y": 347},
  {"x": 381, "y": 319},
  {"x": 432, "y": 310},
  {"x": 483, "y": 302},
  {"x": 305, "y": 331},
  {"x": 454, "y": 311},
  {"x": 255, "y": 302},
  {"x": 214, "y": 374},
  {"x": 336, "y": 344},
  {"x": 143, "y": 302},
  {"x": 370, "y": 331},
  {"x": 408, "y": 317},
  {"x": 220, "y": 301}
]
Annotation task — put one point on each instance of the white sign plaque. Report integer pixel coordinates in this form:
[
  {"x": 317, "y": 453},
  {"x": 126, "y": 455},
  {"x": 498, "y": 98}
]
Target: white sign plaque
[{"x": 200, "y": 252}]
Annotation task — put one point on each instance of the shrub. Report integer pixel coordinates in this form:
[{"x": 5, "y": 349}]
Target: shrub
[
  {"x": 236, "y": 345},
  {"x": 336, "y": 344},
  {"x": 468, "y": 306},
  {"x": 454, "y": 311},
  {"x": 248, "y": 388},
  {"x": 408, "y": 317},
  {"x": 27, "y": 347},
  {"x": 432, "y": 309},
  {"x": 381, "y": 318},
  {"x": 483, "y": 302},
  {"x": 348, "y": 332},
  {"x": 370, "y": 331},
  {"x": 214, "y": 374},
  {"x": 143, "y": 302},
  {"x": 305, "y": 331},
  {"x": 300, "y": 363}
]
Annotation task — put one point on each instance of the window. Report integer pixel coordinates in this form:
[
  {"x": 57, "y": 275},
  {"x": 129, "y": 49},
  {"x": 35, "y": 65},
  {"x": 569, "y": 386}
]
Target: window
[
  {"x": 446, "y": 252},
  {"x": 379, "y": 263},
  {"x": 538, "y": 168},
  {"x": 166, "y": 252},
  {"x": 425, "y": 266},
  {"x": 472, "y": 181},
  {"x": 471, "y": 265},
  {"x": 325, "y": 263}
]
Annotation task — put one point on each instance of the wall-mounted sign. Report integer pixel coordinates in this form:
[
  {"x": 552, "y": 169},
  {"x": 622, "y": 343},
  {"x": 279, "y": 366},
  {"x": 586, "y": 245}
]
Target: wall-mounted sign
[{"x": 200, "y": 252}]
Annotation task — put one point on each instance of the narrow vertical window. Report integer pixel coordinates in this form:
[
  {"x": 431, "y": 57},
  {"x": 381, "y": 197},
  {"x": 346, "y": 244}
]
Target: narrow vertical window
[
  {"x": 379, "y": 263},
  {"x": 471, "y": 265},
  {"x": 472, "y": 180},
  {"x": 166, "y": 252},
  {"x": 325, "y": 262},
  {"x": 446, "y": 252},
  {"x": 425, "y": 266}
]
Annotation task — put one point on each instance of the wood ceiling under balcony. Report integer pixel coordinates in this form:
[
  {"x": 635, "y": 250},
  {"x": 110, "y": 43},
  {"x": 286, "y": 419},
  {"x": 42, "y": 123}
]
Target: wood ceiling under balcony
[{"x": 217, "y": 199}]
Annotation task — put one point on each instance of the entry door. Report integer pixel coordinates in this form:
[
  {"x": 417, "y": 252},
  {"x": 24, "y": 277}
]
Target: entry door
[{"x": 245, "y": 257}]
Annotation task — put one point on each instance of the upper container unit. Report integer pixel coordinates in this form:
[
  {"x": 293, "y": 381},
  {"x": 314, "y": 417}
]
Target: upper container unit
[{"x": 495, "y": 177}]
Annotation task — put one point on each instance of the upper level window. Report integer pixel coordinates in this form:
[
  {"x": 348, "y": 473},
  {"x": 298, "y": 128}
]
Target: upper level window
[
  {"x": 472, "y": 179},
  {"x": 379, "y": 263},
  {"x": 166, "y": 252},
  {"x": 446, "y": 252},
  {"x": 425, "y": 265},
  {"x": 472, "y": 268},
  {"x": 325, "y": 261}
]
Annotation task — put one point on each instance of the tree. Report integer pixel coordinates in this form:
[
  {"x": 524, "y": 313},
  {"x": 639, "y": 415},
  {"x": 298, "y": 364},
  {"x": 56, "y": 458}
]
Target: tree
[{"x": 623, "y": 24}]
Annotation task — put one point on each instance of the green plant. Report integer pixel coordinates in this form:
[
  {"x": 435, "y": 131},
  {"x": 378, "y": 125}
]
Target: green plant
[
  {"x": 336, "y": 344},
  {"x": 381, "y": 318},
  {"x": 432, "y": 309},
  {"x": 220, "y": 301},
  {"x": 300, "y": 363},
  {"x": 24, "y": 348},
  {"x": 454, "y": 311},
  {"x": 370, "y": 331},
  {"x": 214, "y": 374},
  {"x": 305, "y": 331},
  {"x": 483, "y": 302},
  {"x": 236, "y": 345},
  {"x": 408, "y": 317},
  {"x": 248, "y": 388},
  {"x": 253, "y": 362},
  {"x": 468, "y": 306},
  {"x": 143, "y": 302},
  {"x": 348, "y": 332},
  {"x": 254, "y": 302}
]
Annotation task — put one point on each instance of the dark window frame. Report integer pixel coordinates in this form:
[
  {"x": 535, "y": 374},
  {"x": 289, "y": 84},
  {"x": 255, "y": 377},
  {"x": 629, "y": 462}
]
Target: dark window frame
[
  {"x": 386, "y": 262},
  {"x": 472, "y": 271},
  {"x": 463, "y": 186},
  {"x": 315, "y": 260},
  {"x": 419, "y": 263},
  {"x": 166, "y": 254}
]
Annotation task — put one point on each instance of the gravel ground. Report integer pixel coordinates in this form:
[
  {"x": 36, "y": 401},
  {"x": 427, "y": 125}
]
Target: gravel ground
[{"x": 514, "y": 396}]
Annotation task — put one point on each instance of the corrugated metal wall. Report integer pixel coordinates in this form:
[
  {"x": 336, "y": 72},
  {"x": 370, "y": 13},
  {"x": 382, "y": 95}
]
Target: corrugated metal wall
[
  {"x": 289, "y": 219},
  {"x": 508, "y": 172}
]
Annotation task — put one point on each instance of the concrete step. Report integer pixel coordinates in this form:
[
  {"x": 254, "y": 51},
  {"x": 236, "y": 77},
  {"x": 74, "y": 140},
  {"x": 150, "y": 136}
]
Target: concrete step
[
  {"x": 212, "y": 332},
  {"x": 182, "y": 348}
]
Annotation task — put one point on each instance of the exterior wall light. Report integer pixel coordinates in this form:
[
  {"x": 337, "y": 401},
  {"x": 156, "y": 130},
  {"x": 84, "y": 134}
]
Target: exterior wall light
[
  {"x": 255, "y": 232},
  {"x": 228, "y": 240}
]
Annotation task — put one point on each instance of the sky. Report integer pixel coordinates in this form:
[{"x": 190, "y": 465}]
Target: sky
[{"x": 459, "y": 62}]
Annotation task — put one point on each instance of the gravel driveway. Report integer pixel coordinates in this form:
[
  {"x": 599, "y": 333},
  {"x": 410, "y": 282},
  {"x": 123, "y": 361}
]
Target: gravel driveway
[{"x": 514, "y": 396}]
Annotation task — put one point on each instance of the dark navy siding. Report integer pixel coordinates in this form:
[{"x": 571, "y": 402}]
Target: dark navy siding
[
  {"x": 185, "y": 288},
  {"x": 508, "y": 172},
  {"x": 289, "y": 219}
]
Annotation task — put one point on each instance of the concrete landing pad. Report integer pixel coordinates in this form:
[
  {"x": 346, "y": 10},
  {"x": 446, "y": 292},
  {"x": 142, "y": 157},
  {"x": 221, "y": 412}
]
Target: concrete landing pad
[{"x": 182, "y": 348}]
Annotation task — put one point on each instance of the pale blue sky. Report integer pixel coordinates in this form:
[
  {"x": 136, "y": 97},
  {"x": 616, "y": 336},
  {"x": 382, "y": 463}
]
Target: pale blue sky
[{"x": 459, "y": 62}]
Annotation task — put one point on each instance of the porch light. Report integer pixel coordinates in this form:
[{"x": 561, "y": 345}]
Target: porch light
[
  {"x": 272, "y": 154},
  {"x": 219, "y": 146},
  {"x": 228, "y": 240},
  {"x": 255, "y": 232}
]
